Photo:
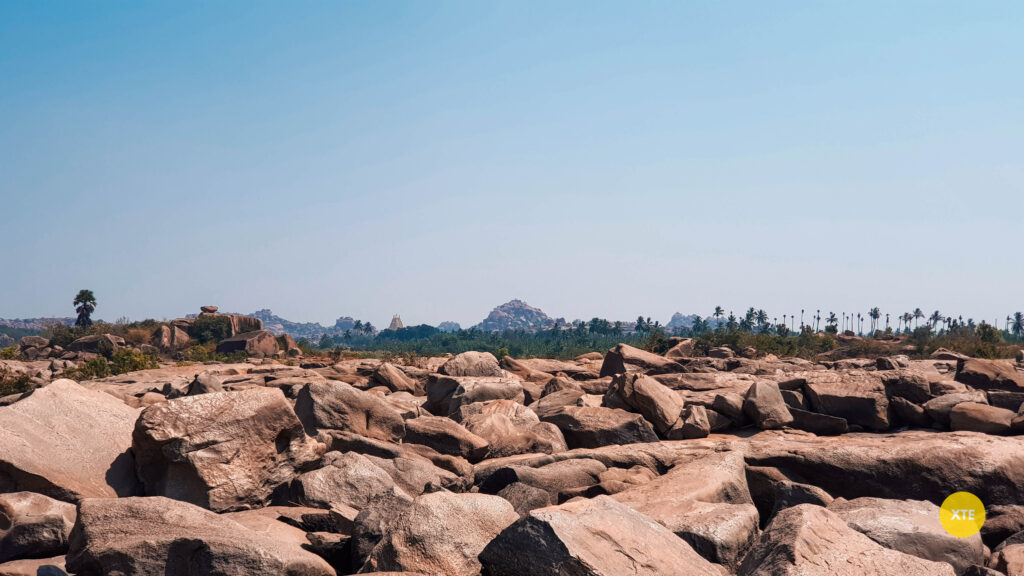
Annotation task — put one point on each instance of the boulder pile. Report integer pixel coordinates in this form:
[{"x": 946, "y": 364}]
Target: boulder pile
[{"x": 622, "y": 463}]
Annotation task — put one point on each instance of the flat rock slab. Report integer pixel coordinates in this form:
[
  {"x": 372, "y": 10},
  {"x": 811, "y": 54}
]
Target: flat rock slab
[
  {"x": 912, "y": 527},
  {"x": 808, "y": 540},
  {"x": 158, "y": 535},
  {"x": 69, "y": 443},
  {"x": 597, "y": 537}
]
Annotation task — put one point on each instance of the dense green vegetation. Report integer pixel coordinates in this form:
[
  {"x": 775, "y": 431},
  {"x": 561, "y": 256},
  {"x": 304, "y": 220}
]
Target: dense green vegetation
[{"x": 753, "y": 330}]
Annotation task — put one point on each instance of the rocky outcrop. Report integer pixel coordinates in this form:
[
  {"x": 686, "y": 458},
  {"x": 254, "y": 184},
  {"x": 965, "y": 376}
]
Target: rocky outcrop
[
  {"x": 222, "y": 451},
  {"x": 516, "y": 315},
  {"x": 257, "y": 344}
]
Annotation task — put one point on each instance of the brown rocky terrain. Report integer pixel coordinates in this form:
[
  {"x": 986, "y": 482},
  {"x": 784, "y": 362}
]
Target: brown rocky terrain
[{"x": 623, "y": 463}]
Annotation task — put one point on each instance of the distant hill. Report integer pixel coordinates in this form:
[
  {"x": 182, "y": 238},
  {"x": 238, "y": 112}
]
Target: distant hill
[
  {"x": 33, "y": 324},
  {"x": 516, "y": 315},
  {"x": 449, "y": 327},
  {"x": 681, "y": 322},
  {"x": 12, "y": 330}
]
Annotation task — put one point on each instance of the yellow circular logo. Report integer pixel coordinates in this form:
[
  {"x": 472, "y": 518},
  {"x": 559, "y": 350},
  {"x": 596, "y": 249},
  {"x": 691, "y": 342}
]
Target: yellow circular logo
[{"x": 962, "y": 514}]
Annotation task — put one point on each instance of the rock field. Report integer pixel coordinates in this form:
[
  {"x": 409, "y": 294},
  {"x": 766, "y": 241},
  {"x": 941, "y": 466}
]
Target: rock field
[{"x": 623, "y": 463}]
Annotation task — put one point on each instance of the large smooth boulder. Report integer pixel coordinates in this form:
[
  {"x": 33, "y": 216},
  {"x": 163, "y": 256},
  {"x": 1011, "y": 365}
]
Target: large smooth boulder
[
  {"x": 446, "y": 394},
  {"x": 912, "y": 385},
  {"x": 977, "y": 417},
  {"x": 694, "y": 422},
  {"x": 940, "y": 409},
  {"x": 856, "y": 396},
  {"x": 764, "y": 405},
  {"x": 33, "y": 526},
  {"x": 387, "y": 374},
  {"x": 773, "y": 490},
  {"x": 258, "y": 344},
  {"x": 169, "y": 337},
  {"x": 705, "y": 502},
  {"x": 596, "y": 537},
  {"x": 912, "y": 527},
  {"x": 909, "y": 413},
  {"x": 808, "y": 540},
  {"x": 508, "y": 437},
  {"x": 223, "y": 451},
  {"x": 441, "y": 533},
  {"x": 67, "y": 442},
  {"x": 446, "y": 436},
  {"x": 104, "y": 344},
  {"x": 984, "y": 374},
  {"x": 656, "y": 402},
  {"x": 162, "y": 536},
  {"x": 593, "y": 427},
  {"x": 334, "y": 405},
  {"x": 472, "y": 364},
  {"x": 558, "y": 479},
  {"x": 348, "y": 479},
  {"x": 624, "y": 357}
]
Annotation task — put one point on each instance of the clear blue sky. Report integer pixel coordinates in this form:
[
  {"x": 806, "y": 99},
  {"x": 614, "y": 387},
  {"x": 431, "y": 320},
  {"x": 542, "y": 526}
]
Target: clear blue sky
[{"x": 438, "y": 158}]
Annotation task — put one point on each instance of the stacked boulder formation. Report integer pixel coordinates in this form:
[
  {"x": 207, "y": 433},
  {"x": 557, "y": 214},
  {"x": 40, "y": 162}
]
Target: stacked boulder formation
[{"x": 623, "y": 463}]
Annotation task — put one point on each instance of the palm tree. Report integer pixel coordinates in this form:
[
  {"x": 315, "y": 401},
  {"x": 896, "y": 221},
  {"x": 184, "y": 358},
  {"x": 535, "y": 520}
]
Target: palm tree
[
  {"x": 719, "y": 312},
  {"x": 801, "y": 319},
  {"x": 886, "y": 321},
  {"x": 935, "y": 318},
  {"x": 875, "y": 314},
  {"x": 860, "y": 323},
  {"x": 918, "y": 315},
  {"x": 832, "y": 320},
  {"x": 762, "y": 319},
  {"x": 1017, "y": 326},
  {"x": 85, "y": 304},
  {"x": 817, "y": 320}
]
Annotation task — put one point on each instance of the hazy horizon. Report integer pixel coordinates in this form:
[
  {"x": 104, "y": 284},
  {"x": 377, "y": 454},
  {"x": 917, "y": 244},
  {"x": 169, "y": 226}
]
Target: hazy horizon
[{"x": 438, "y": 159}]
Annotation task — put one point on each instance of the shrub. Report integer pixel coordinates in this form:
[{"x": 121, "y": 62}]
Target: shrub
[
  {"x": 14, "y": 383},
  {"x": 197, "y": 352},
  {"x": 207, "y": 329},
  {"x": 97, "y": 367},
  {"x": 137, "y": 336},
  {"x": 126, "y": 360},
  {"x": 9, "y": 353},
  {"x": 61, "y": 335}
]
